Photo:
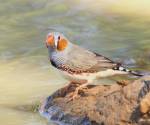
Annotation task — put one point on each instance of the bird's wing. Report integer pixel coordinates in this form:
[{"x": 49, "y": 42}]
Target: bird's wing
[
  {"x": 81, "y": 60},
  {"x": 105, "y": 63}
]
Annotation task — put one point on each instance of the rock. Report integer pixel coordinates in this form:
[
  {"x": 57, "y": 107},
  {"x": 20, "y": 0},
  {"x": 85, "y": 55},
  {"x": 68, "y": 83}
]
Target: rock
[
  {"x": 145, "y": 104},
  {"x": 114, "y": 104}
]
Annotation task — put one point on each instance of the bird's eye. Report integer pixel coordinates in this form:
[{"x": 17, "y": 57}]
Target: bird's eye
[{"x": 50, "y": 40}]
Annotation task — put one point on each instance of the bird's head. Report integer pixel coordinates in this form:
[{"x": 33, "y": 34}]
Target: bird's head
[{"x": 56, "y": 41}]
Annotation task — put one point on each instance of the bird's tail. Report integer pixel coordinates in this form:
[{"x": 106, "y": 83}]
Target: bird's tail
[{"x": 135, "y": 73}]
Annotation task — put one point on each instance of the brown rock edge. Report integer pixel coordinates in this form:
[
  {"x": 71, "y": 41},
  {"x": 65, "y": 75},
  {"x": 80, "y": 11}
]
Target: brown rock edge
[{"x": 116, "y": 104}]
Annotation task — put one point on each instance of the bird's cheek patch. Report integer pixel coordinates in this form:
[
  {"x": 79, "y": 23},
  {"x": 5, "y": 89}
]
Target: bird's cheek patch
[
  {"x": 62, "y": 44},
  {"x": 50, "y": 41}
]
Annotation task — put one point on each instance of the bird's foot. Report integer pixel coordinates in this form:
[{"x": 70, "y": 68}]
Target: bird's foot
[
  {"x": 77, "y": 91},
  {"x": 73, "y": 96}
]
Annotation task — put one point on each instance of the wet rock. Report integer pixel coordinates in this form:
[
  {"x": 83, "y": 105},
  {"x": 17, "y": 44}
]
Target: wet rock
[{"x": 114, "y": 104}]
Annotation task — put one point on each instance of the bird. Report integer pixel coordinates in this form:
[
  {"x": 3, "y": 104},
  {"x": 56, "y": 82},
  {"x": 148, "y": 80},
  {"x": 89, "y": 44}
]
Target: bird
[{"x": 80, "y": 65}]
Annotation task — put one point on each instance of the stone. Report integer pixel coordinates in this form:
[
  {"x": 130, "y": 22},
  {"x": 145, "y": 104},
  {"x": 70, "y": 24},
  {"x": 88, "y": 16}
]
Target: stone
[{"x": 115, "y": 104}]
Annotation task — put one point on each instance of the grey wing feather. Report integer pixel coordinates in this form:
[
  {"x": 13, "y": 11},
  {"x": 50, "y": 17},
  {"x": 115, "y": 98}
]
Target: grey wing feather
[
  {"x": 84, "y": 60},
  {"x": 105, "y": 62}
]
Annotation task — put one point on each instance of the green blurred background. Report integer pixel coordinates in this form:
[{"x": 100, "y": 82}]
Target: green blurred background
[{"x": 119, "y": 29}]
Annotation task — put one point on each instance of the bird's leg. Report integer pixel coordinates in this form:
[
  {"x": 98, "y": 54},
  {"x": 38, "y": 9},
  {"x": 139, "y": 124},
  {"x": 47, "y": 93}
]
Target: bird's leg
[{"x": 76, "y": 92}]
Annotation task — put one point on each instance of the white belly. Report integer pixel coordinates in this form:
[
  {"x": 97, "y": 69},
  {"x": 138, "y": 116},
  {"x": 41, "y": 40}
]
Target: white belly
[
  {"x": 90, "y": 77},
  {"x": 79, "y": 78}
]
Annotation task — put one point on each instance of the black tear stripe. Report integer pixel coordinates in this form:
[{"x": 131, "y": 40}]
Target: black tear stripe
[{"x": 53, "y": 63}]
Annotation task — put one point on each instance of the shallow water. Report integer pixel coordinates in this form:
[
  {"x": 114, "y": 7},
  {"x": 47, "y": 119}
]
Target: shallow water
[{"x": 118, "y": 29}]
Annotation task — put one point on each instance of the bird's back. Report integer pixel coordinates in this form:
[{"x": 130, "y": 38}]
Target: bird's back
[{"x": 77, "y": 59}]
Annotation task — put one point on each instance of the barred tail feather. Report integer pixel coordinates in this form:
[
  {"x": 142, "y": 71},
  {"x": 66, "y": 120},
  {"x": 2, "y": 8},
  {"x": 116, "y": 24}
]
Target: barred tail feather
[{"x": 135, "y": 73}]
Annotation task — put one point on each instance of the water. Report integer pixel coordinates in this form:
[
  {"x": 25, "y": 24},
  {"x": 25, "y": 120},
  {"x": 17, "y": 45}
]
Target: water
[{"x": 117, "y": 28}]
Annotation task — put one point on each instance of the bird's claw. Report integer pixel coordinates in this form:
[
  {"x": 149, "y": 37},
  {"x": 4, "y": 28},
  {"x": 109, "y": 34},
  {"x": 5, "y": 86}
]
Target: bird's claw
[
  {"x": 73, "y": 97},
  {"x": 76, "y": 93}
]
